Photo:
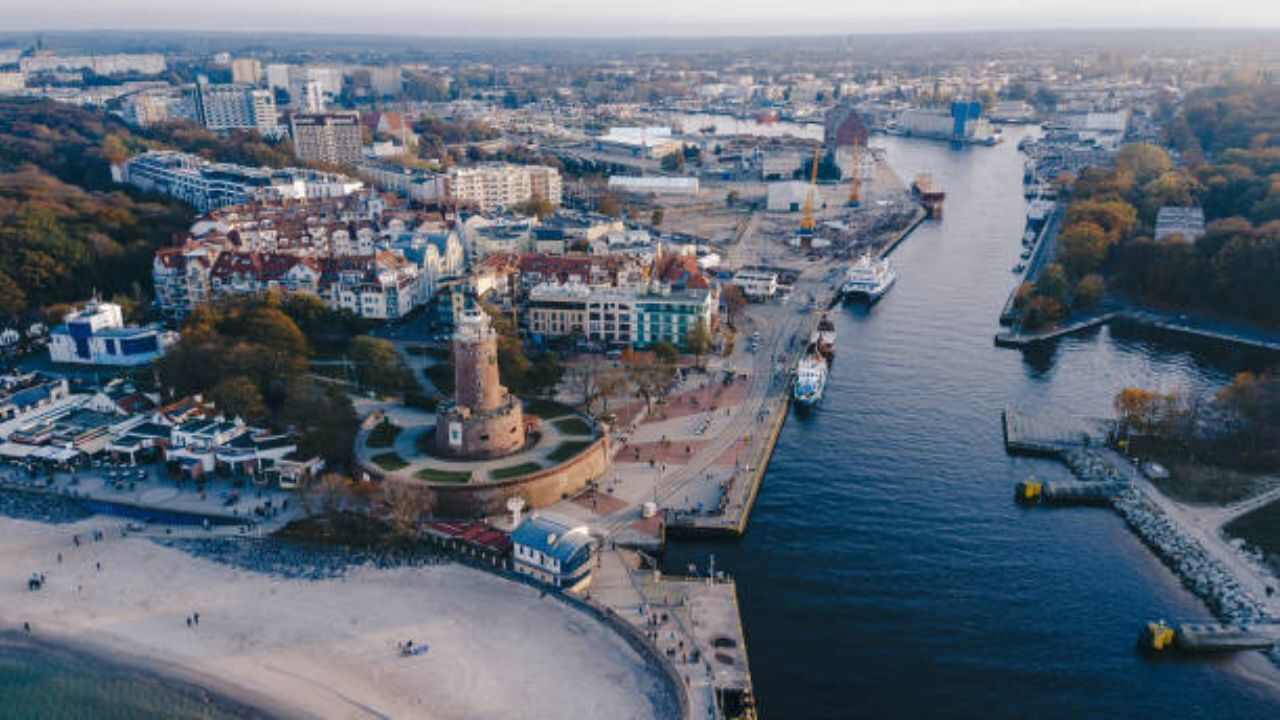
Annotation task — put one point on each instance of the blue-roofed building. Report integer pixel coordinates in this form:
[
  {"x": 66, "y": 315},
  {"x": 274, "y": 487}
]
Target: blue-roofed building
[
  {"x": 96, "y": 335},
  {"x": 554, "y": 550}
]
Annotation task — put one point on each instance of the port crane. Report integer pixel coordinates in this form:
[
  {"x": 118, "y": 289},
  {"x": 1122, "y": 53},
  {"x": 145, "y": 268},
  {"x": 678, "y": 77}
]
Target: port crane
[{"x": 807, "y": 223}]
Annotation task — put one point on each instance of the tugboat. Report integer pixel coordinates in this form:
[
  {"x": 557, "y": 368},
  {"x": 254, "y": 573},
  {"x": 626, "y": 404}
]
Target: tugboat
[{"x": 824, "y": 338}]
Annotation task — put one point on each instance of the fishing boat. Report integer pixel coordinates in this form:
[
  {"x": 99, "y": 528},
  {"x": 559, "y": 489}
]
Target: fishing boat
[
  {"x": 811, "y": 379},
  {"x": 824, "y": 338}
]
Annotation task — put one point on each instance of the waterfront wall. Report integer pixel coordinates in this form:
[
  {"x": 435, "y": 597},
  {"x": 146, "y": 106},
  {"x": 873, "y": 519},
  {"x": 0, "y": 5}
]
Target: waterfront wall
[{"x": 539, "y": 489}]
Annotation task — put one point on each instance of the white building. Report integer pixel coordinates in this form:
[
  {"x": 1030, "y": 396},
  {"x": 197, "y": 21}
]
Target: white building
[
  {"x": 1184, "y": 222},
  {"x": 230, "y": 107},
  {"x": 651, "y": 142},
  {"x": 657, "y": 184},
  {"x": 207, "y": 186},
  {"x": 246, "y": 71},
  {"x": 118, "y": 64},
  {"x": 12, "y": 82},
  {"x": 757, "y": 284},
  {"x": 96, "y": 335},
  {"x": 332, "y": 138},
  {"x": 553, "y": 550},
  {"x": 617, "y": 317}
]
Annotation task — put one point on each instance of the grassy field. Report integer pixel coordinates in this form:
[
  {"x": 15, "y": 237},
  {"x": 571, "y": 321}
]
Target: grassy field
[
  {"x": 384, "y": 435},
  {"x": 514, "y": 471},
  {"x": 1208, "y": 485},
  {"x": 546, "y": 409},
  {"x": 1260, "y": 528},
  {"x": 443, "y": 476},
  {"x": 389, "y": 461},
  {"x": 568, "y": 450},
  {"x": 441, "y": 376},
  {"x": 573, "y": 426}
]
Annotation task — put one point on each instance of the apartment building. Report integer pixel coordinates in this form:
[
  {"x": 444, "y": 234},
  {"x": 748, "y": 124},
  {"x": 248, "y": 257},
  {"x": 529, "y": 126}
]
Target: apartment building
[
  {"x": 246, "y": 71},
  {"x": 636, "y": 317},
  {"x": 332, "y": 138},
  {"x": 234, "y": 106},
  {"x": 207, "y": 186}
]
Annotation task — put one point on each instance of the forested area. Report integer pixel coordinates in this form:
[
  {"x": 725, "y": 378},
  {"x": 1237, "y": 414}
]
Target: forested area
[
  {"x": 250, "y": 356},
  {"x": 1230, "y": 139},
  {"x": 65, "y": 229}
]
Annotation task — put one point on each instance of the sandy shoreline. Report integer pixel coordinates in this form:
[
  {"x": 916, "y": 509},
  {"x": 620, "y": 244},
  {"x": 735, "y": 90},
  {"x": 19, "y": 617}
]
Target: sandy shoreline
[{"x": 326, "y": 648}]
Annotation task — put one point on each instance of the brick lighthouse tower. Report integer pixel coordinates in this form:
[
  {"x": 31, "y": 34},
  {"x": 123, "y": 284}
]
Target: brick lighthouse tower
[{"x": 484, "y": 420}]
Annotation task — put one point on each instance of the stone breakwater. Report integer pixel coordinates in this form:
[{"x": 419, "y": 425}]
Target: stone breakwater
[
  {"x": 39, "y": 507},
  {"x": 1202, "y": 574},
  {"x": 298, "y": 561}
]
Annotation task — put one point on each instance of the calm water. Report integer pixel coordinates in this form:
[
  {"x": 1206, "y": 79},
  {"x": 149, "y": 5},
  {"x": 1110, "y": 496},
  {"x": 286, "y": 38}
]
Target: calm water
[
  {"x": 39, "y": 682},
  {"x": 887, "y": 571}
]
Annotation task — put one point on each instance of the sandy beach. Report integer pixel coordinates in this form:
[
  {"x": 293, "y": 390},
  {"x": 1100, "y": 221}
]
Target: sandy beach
[{"x": 327, "y": 648}]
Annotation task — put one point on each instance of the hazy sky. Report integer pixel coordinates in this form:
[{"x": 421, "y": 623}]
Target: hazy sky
[{"x": 618, "y": 17}]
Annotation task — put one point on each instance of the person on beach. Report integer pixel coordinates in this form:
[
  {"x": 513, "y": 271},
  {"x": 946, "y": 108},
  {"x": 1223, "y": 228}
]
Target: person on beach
[
  {"x": 188, "y": 621},
  {"x": 196, "y": 618},
  {"x": 59, "y": 558}
]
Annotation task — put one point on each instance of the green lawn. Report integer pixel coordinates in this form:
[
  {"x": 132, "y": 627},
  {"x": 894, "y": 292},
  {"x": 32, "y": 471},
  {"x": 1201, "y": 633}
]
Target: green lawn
[
  {"x": 514, "y": 471},
  {"x": 384, "y": 435},
  {"x": 546, "y": 409},
  {"x": 389, "y": 461},
  {"x": 1260, "y": 528},
  {"x": 568, "y": 450},
  {"x": 441, "y": 376},
  {"x": 573, "y": 426},
  {"x": 443, "y": 476},
  {"x": 1209, "y": 485}
]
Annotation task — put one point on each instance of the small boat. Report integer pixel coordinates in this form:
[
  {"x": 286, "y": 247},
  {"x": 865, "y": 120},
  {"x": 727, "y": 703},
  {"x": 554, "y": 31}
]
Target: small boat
[
  {"x": 1019, "y": 268},
  {"x": 824, "y": 338}
]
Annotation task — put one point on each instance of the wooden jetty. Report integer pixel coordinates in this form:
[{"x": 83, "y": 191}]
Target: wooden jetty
[{"x": 1024, "y": 435}]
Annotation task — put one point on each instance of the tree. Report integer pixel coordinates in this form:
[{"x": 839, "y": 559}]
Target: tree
[
  {"x": 655, "y": 218},
  {"x": 537, "y": 206},
  {"x": 699, "y": 340},
  {"x": 1042, "y": 311},
  {"x": 731, "y": 198},
  {"x": 673, "y": 161},
  {"x": 609, "y": 205},
  {"x": 1089, "y": 290},
  {"x": 1147, "y": 162},
  {"x": 238, "y": 396},
  {"x": 13, "y": 301},
  {"x": 1136, "y": 409},
  {"x": 1053, "y": 284},
  {"x": 1083, "y": 248},
  {"x": 378, "y": 365},
  {"x": 647, "y": 374},
  {"x": 405, "y": 506},
  {"x": 734, "y": 301}
]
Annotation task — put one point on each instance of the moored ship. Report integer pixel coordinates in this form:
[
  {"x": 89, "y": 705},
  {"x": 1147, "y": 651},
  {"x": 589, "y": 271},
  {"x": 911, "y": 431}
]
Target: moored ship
[
  {"x": 824, "y": 338},
  {"x": 869, "y": 278},
  {"x": 811, "y": 379}
]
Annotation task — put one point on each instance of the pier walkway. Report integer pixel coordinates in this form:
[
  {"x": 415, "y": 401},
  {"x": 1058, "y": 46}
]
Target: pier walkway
[{"x": 1205, "y": 328}]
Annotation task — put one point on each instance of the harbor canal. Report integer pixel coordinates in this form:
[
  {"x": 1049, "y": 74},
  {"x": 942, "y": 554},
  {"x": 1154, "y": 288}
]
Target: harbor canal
[{"x": 886, "y": 571}]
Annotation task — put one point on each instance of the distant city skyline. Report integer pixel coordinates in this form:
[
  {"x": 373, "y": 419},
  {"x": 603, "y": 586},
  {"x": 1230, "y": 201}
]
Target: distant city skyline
[{"x": 582, "y": 18}]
